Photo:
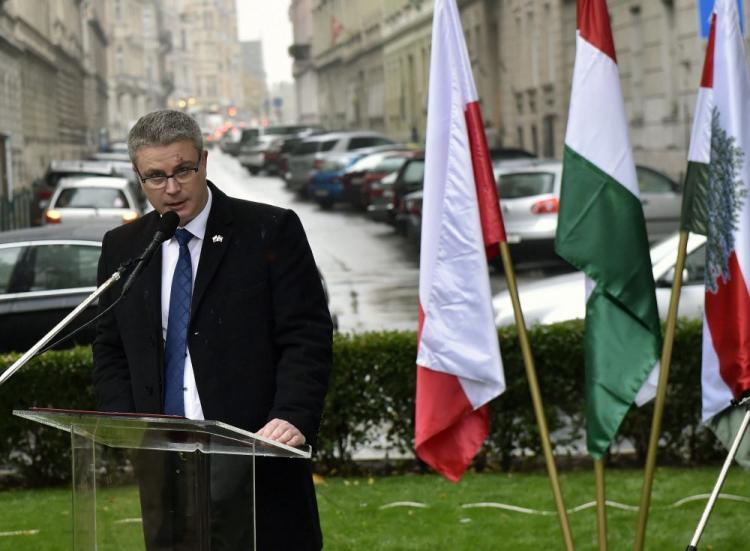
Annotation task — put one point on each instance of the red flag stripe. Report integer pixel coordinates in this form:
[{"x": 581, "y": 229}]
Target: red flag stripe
[
  {"x": 593, "y": 24},
  {"x": 493, "y": 230},
  {"x": 728, "y": 316},
  {"x": 449, "y": 430},
  {"x": 707, "y": 80}
]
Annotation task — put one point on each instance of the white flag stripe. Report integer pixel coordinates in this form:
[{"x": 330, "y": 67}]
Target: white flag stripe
[
  {"x": 596, "y": 96},
  {"x": 466, "y": 80},
  {"x": 458, "y": 334},
  {"x": 700, "y": 137},
  {"x": 715, "y": 392}
]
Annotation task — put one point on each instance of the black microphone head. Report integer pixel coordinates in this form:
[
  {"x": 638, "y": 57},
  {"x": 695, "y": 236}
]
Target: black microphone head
[{"x": 168, "y": 224}]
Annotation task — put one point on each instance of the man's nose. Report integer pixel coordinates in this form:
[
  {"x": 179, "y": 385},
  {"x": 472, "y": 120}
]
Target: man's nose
[{"x": 172, "y": 186}]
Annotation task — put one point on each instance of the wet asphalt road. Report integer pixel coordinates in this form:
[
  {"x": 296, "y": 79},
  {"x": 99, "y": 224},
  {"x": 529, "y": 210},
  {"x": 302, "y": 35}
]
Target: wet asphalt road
[{"x": 372, "y": 273}]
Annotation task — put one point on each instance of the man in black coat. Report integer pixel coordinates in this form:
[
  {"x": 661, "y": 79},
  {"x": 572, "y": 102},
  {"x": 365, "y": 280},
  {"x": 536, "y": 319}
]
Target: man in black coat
[{"x": 255, "y": 332}]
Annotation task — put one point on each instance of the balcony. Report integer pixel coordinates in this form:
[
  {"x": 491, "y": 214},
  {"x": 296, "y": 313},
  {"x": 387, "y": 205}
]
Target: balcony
[{"x": 300, "y": 52}]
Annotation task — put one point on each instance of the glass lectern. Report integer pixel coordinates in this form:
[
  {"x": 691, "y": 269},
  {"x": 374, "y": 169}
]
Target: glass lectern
[{"x": 183, "y": 471}]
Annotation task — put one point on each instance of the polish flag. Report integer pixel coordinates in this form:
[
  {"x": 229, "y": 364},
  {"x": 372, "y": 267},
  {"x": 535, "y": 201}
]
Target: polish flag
[{"x": 459, "y": 368}]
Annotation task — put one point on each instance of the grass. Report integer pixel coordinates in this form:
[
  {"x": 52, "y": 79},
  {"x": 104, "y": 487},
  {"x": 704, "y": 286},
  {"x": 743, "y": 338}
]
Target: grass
[{"x": 354, "y": 517}]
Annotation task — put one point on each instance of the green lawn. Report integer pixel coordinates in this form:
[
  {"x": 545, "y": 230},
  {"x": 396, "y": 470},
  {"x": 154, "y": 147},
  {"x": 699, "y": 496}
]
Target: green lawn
[{"x": 354, "y": 517}]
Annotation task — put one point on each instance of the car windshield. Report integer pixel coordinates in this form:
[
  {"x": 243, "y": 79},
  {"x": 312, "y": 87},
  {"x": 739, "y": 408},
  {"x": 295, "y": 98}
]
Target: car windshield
[
  {"x": 367, "y": 163},
  {"x": 414, "y": 172},
  {"x": 91, "y": 198},
  {"x": 389, "y": 164},
  {"x": 305, "y": 148},
  {"x": 525, "y": 184}
]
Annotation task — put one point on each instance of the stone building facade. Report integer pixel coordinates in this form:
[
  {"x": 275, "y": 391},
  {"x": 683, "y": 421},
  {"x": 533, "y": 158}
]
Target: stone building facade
[
  {"x": 253, "y": 78},
  {"x": 12, "y": 171},
  {"x": 371, "y": 63},
  {"x": 137, "y": 79},
  {"x": 51, "y": 95},
  {"x": 303, "y": 70}
]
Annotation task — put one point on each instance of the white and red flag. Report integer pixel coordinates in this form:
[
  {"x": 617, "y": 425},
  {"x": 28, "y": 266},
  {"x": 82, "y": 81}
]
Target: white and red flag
[
  {"x": 726, "y": 205},
  {"x": 459, "y": 369}
]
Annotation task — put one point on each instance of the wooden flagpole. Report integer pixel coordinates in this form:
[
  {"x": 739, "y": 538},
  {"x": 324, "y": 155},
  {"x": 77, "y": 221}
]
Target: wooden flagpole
[
  {"x": 536, "y": 397},
  {"x": 601, "y": 504},
  {"x": 661, "y": 394}
]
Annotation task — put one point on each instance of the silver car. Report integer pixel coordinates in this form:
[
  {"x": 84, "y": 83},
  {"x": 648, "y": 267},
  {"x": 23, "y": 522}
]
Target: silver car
[
  {"x": 309, "y": 156},
  {"x": 102, "y": 198},
  {"x": 530, "y": 194},
  {"x": 562, "y": 298}
]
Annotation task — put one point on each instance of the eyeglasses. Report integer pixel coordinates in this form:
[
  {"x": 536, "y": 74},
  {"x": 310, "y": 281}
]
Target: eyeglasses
[{"x": 182, "y": 176}]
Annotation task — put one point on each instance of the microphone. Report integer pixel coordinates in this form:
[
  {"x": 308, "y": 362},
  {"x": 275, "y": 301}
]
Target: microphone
[{"x": 167, "y": 226}]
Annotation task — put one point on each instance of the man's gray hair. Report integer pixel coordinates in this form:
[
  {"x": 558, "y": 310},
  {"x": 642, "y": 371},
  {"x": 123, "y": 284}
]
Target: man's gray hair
[{"x": 163, "y": 127}]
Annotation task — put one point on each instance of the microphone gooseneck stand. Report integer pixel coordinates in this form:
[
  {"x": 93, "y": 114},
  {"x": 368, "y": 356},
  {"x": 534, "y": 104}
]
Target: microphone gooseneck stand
[{"x": 744, "y": 401}]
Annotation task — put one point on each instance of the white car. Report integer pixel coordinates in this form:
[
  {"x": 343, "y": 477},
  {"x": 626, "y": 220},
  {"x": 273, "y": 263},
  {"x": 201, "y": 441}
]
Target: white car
[
  {"x": 87, "y": 198},
  {"x": 562, "y": 298},
  {"x": 530, "y": 195}
]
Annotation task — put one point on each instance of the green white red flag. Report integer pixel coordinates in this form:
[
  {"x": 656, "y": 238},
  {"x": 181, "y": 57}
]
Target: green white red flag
[
  {"x": 723, "y": 212},
  {"x": 601, "y": 230}
]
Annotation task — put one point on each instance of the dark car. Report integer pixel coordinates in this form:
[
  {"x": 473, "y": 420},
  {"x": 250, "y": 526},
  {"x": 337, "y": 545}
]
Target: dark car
[
  {"x": 410, "y": 178},
  {"x": 44, "y": 274},
  {"x": 360, "y": 176}
]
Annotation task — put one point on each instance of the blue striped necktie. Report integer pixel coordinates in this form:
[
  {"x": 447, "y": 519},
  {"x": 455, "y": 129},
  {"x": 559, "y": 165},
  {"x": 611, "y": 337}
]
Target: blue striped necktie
[{"x": 175, "y": 349}]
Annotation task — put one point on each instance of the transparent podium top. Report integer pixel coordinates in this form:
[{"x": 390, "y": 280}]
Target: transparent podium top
[{"x": 161, "y": 432}]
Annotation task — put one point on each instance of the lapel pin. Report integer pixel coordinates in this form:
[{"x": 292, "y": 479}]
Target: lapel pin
[{"x": 217, "y": 238}]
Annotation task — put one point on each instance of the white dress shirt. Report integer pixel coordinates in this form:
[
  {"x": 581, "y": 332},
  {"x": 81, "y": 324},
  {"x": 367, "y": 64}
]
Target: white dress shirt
[{"x": 170, "y": 250}]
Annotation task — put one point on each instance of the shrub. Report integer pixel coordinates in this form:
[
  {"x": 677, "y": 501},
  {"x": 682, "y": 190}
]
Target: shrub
[{"x": 370, "y": 403}]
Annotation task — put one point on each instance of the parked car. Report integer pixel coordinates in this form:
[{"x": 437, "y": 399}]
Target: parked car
[
  {"x": 410, "y": 178},
  {"x": 255, "y": 156},
  {"x": 530, "y": 194},
  {"x": 370, "y": 168},
  {"x": 57, "y": 170},
  {"x": 501, "y": 155},
  {"x": 264, "y": 153},
  {"x": 326, "y": 187},
  {"x": 381, "y": 198},
  {"x": 78, "y": 199},
  {"x": 294, "y": 129},
  {"x": 409, "y": 216},
  {"x": 308, "y": 157},
  {"x": 45, "y": 273},
  {"x": 563, "y": 297},
  {"x": 229, "y": 142},
  {"x": 285, "y": 151}
]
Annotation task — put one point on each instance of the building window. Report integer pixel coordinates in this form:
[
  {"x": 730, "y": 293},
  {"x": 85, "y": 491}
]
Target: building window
[
  {"x": 534, "y": 139},
  {"x": 6, "y": 180},
  {"x": 549, "y": 136},
  {"x": 118, "y": 10},
  {"x": 532, "y": 101},
  {"x": 120, "y": 61},
  {"x": 520, "y": 137}
]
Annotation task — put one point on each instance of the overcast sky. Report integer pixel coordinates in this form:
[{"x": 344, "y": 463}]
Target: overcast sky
[{"x": 269, "y": 21}]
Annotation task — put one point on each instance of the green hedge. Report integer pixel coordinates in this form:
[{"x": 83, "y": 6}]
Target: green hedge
[{"x": 371, "y": 402}]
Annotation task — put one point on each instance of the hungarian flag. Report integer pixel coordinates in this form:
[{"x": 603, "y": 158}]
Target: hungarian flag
[
  {"x": 601, "y": 230},
  {"x": 699, "y": 154},
  {"x": 721, "y": 210},
  {"x": 459, "y": 369}
]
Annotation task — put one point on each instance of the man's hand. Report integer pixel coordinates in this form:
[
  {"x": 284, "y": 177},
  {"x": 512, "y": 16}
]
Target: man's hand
[{"x": 282, "y": 432}]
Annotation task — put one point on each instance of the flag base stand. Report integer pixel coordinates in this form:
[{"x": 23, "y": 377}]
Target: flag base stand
[{"x": 744, "y": 401}]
